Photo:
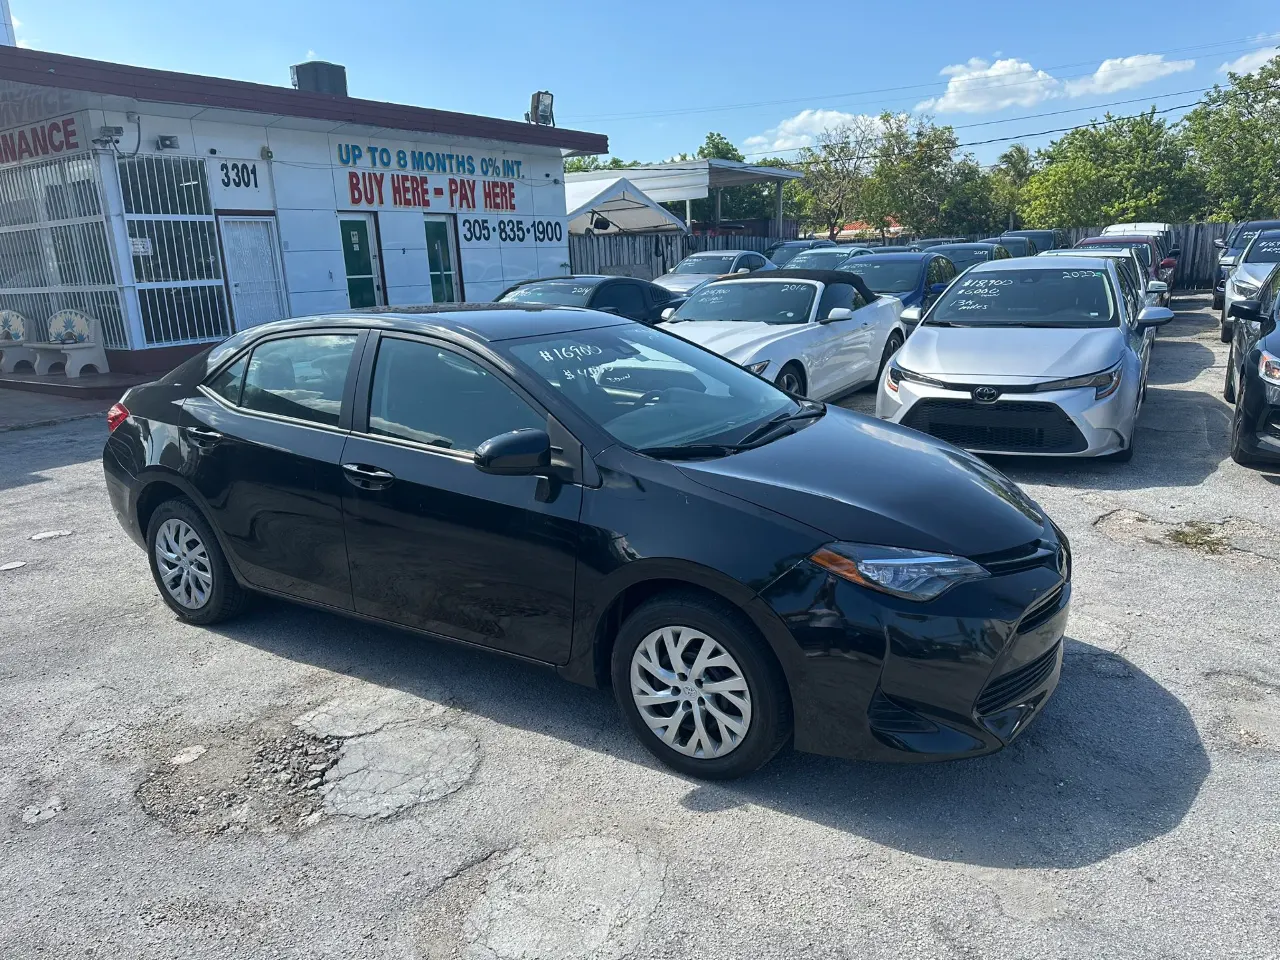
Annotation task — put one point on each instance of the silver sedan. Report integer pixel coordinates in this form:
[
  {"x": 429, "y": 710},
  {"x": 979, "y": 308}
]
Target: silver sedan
[{"x": 1043, "y": 356}]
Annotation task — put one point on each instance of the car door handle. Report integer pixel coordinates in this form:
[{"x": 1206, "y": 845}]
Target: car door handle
[
  {"x": 366, "y": 477},
  {"x": 203, "y": 436}
]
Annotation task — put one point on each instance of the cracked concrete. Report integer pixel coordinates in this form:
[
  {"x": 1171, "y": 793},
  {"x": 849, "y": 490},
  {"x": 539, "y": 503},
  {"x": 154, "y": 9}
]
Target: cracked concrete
[{"x": 582, "y": 898}]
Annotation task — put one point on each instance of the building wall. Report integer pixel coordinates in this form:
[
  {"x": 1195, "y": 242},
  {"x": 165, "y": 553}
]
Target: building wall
[{"x": 306, "y": 184}]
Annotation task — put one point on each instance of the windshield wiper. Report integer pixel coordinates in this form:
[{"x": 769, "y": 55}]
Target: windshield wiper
[
  {"x": 809, "y": 409},
  {"x": 690, "y": 451}
]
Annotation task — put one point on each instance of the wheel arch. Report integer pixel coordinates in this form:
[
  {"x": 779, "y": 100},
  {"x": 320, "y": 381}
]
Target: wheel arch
[
  {"x": 156, "y": 486},
  {"x": 642, "y": 580}
]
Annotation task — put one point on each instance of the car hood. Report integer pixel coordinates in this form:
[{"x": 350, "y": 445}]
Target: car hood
[
  {"x": 865, "y": 480},
  {"x": 732, "y": 340},
  {"x": 1255, "y": 273},
  {"x": 1018, "y": 353},
  {"x": 682, "y": 282}
]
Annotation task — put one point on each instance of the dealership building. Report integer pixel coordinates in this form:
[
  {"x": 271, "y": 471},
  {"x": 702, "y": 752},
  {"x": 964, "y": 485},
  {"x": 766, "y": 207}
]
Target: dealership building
[{"x": 178, "y": 209}]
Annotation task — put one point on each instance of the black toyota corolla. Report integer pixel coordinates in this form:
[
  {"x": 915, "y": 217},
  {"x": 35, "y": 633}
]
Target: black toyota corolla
[{"x": 744, "y": 567}]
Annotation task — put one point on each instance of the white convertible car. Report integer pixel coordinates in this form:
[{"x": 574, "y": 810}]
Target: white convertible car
[{"x": 815, "y": 333}]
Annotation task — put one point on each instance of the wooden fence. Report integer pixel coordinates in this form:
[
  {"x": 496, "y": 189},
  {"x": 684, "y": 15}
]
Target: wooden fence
[{"x": 648, "y": 255}]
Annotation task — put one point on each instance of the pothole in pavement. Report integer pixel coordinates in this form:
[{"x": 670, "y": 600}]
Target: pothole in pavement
[
  {"x": 1232, "y": 538},
  {"x": 362, "y": 759},
  {"x": 1252, "y": 707},
  {"x": 581, "y": 898}
]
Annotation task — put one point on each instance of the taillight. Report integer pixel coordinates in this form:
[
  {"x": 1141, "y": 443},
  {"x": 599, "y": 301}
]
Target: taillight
[{"x": 117, "y": 415}]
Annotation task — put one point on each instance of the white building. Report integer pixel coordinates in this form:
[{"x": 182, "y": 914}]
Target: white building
[{"x": 179, "y": 209}]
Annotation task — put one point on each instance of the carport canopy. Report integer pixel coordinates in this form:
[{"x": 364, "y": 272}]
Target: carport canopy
[
  {"x": 619, "y": 201},
  {"x": 690, "y": 179}
]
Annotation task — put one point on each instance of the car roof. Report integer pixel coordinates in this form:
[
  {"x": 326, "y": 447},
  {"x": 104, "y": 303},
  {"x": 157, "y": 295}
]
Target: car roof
[
  {"x": 1261, "y": 224},
  {"x": 486, "y": 322},
  {"x": 918, "y": 256},
  {"x": 1036, "y": 263},
  {"x": 719, "y": 253},
  {"x": 818, "y": 276},
  {"x": 1115, "y": 238},
  {"x": 575, "y": 278},
  {"x": 966, "y": 245}
]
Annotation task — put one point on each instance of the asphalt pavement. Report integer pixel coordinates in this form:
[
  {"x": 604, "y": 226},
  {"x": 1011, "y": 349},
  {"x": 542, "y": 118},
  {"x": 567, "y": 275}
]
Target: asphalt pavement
[{"x": 295, "y": 784}]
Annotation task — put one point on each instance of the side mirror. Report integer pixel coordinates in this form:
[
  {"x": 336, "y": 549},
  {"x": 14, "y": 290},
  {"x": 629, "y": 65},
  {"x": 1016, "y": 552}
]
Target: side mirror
[
  {"x": 668, "y": 313},
  {"x": 1150, "y": 317},
  {"x": 937, "y": 289},
  {"x": 1157, "y": 286},
  {"x": 1175, "y": 252},
  {"x": 520, "y": 453},
  {"x": 1168, "y": 263},
  {"x": 911, "y": 315},
  {"x": 743, "y": 270},
  {"x": 837, "y": 313},
  {"x": 1250, "y": 310},
  {"x": 1220, "y": 243}
]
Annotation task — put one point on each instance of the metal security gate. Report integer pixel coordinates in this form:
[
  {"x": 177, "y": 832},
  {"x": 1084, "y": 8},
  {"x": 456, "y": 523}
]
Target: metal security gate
[{"x": 254, "y": 277}]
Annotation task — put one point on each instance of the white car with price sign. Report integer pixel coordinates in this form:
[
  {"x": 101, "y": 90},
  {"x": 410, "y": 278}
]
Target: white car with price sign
[{"x": 815, "y": 333}]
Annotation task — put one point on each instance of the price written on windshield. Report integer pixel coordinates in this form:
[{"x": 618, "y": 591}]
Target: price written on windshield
[{"x": 510, "y": 230}]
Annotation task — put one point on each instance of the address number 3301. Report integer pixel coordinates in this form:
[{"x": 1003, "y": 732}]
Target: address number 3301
[{"x": 511, "y": 231}]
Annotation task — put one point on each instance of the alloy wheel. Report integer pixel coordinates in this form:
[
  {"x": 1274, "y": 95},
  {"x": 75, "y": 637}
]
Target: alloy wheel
[
  {"x": 690, "y": 692},
  {"x": 790, "y": 381},
  {"x": 183, "y": 563}
]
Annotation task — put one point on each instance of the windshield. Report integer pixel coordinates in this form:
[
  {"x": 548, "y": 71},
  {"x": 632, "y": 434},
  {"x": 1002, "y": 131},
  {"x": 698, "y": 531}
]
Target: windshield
[
  {"x": 563, "y": 293},
  {"x": 824, "y": 258},
  {"x": 1033, "y": 298},
  {"x": 1141, "y": 247},
  {"x": 886, "y": 277},
  {"x": 786, "y": 254},
  {"x": 1264, "y": 249},
  {"x": 702, "y": 264},
  {"x": 963, "y": 257},
  {"x": 1242, "y": 235},
  {"x": 647, "y": 388},
  {"x": 750, "y": 301}
]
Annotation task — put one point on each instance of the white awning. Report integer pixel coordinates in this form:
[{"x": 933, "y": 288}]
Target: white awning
[
  {"x": 689, "y": 179},
  {"x": 619, "y": 201}
]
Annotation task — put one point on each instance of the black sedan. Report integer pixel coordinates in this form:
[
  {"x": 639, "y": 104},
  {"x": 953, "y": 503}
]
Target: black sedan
[
  {"x": 745, "y": 568},
  {"x": 621, "y": 296},
  {"x": 1253, "y": 376}
]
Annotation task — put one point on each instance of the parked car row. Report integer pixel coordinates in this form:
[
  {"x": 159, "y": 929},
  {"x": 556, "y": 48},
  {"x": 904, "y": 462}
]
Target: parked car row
[{"x": 1253, "y": 371}]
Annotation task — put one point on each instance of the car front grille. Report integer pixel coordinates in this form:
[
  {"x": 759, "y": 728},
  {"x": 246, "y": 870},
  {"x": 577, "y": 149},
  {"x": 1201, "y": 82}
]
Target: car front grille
[
  {"x": 1016, "y": 427},
  {"x": 1006, "y": 690}
]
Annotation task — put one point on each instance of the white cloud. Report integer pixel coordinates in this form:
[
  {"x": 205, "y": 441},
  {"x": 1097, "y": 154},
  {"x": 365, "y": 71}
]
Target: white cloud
[
  {"x": 979, "y": 86},
  {"x": 1249, "y": 62},
  {"x": 311, "y": 55},
  {"x": 1124, "y": 73},
  {"x": 798, "y": 131},
  {"x": 20, "y": 41}
]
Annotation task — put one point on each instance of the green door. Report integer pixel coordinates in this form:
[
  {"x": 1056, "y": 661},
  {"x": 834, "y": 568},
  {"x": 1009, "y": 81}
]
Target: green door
[
  {"x": 363, "y": 282},
  {"x": 440, "y": 259}
]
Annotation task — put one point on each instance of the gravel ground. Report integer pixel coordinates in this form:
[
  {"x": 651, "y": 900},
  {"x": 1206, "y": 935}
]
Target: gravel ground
[{"x": 294, "y": 784}]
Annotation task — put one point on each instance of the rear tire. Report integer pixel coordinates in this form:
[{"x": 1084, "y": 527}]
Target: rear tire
[
  {"x": 791, "y": 378},
  {"x": 189, "y": 567},
  {"x": 662, "y": 647},
  {"x": 1228, "y": 383}
]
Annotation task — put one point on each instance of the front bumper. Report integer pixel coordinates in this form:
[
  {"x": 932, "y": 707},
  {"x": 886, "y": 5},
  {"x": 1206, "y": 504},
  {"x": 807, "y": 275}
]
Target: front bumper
[
  {"x": 891, "y": 679},
  {"x": 1059, "y": 423}
]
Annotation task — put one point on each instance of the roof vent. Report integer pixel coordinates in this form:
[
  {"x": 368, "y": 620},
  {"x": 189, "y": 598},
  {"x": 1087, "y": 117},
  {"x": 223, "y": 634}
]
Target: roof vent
[{"x": 319, "y": 76}]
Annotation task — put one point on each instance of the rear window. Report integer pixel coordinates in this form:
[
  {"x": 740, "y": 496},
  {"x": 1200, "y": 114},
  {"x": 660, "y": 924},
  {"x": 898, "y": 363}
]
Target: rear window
[
  {"x": 886, "y": 276},
  {"x": 560, "y": 293},
  {"x": 1068, "y": 297},
  {"x": 963, "y": 257},
  {"x": 823, "y": 258},
  {"x": 746, "y": 301},
  {"x": 703, "y": 264}
]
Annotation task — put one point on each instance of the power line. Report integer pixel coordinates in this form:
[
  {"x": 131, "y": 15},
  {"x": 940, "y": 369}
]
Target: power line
[{"x": 1251, "y": 42}]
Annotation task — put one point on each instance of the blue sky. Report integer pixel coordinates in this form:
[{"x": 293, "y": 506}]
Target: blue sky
[{"x": 656, "y": 77}]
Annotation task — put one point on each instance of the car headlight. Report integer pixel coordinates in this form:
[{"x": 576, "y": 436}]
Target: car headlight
[
  {"x": 910, "y": 574},
  {"x": 897, "y": 374},
  {"x": 1104, "y": 383},
  {"x": 757, "y": 368},
  {"x": 1246, "y": 290},
  {"x": 1269, "y": 368}
]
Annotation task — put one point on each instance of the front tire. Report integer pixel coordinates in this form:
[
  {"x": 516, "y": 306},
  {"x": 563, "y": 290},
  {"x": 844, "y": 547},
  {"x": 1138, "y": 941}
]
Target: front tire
[
  {"x": 699, "y": 687},
  {"x": 1125, "y": 455},
  {"x": 892, "y": 346},
  {"x": 189, "y": 567},
  {"x": 1225, "y": 327},
  {"x": 1238, "y": 452},
  {"x": 1228, "y": 384},
  {"x": 791, "y": 379}
]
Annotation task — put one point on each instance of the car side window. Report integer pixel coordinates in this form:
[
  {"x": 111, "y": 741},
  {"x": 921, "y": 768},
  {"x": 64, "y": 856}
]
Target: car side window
[
  {"x": 299, "y": 377},
  {"x": 1267, "y": 295},
  {"x": 229, "y": 382},
  {"x": 626, "y": 298},
  {"x": 752, "y": 261},
  {"x": 837, "y": 295},
  {"x": 1130, "y": 294},
  {"x": 659, "y": 295},
  {"x": 430, "y": 395}
]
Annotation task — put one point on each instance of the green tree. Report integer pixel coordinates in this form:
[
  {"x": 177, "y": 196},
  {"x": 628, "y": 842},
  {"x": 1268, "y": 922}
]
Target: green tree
[
  {"x": 836, "y": 171},
  {"x": 588, "y": 164},
  {"x": 1122, "y": 169},
  {"x": 1010, "y": 175},
  {"x": 1234, "y": 140},
  {"x": 718, "y": 147},
  {"x": 912, "y": 171}
]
